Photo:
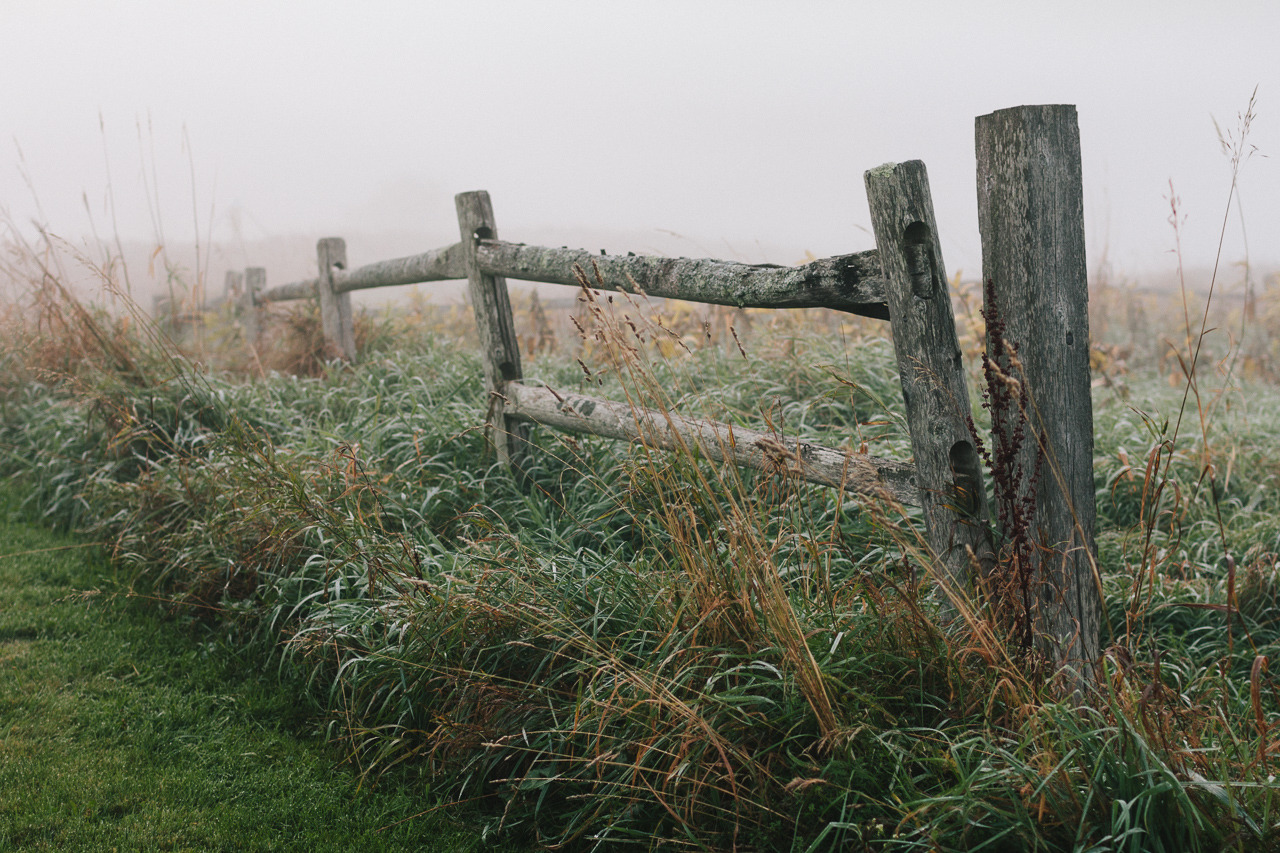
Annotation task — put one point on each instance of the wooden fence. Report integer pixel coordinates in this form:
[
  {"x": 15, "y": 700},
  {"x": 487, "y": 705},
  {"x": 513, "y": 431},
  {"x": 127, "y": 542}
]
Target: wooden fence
[{"x": 1031, "y": 218}]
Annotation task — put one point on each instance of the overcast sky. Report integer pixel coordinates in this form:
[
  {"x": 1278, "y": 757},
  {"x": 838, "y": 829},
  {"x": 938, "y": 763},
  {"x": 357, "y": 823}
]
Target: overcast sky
[{"x": 743, "y": 127}]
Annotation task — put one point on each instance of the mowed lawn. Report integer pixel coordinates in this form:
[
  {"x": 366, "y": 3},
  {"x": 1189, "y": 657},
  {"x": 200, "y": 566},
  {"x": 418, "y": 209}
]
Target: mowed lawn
[{"x": 120, "y": 729}]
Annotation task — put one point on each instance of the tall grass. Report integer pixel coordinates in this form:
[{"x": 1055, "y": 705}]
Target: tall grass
[{"x": 647, "y": 649}]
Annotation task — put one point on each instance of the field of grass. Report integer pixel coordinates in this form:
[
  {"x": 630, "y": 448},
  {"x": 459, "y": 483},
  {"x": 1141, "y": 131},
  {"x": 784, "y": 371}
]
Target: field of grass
[
  {"x": 632, "y": 649},
  {"x": 122, "y": 730}
]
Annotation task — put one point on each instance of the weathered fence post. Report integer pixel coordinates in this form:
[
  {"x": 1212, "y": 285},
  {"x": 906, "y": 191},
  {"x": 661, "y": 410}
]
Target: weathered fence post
[
  {"x": 498, "y": 342},
  {"x": 335, "y": 308},
  {"x": 231, "y": 288},
  {"x": 255, "y": 281},
  {"x": 948, "y": 471},
  {"x": 1031, "y": 217}
]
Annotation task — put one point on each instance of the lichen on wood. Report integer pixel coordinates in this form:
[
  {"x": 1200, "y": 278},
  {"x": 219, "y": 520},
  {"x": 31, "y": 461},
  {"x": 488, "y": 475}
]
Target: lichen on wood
[{"x": 849, "y": 283}]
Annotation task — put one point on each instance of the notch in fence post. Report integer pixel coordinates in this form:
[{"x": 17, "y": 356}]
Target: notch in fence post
[
  {"x": 498, "y": 342},
  {"x": 335, "y": 308},
  {"x": 1031, "y": 218},
  {"x": 948, "y": 471},
  {"x": 255, "y": 280}
]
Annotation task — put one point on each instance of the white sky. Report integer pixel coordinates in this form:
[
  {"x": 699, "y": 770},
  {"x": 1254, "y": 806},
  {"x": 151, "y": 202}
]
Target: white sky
[{"x": 744, "y": 127}]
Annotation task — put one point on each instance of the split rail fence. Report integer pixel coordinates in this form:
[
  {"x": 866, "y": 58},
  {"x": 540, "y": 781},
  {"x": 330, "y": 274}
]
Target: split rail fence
[{"x": 1031, "y": 222}]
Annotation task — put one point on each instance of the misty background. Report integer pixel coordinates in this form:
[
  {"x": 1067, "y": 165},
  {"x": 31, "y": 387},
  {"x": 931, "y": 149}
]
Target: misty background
[{"x": 737, "y": 130}]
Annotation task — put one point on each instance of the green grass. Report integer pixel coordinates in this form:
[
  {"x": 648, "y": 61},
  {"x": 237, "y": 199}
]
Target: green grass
[
  {"x": 619, "y": 655},
  {"x": 120, "y": 729},
  {"x": 641, "y": 649}
]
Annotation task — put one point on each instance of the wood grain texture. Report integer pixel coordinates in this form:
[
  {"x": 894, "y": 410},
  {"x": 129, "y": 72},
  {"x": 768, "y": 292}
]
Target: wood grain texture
[
  {"x": 860, "y": 474},
  {"x": 437, "y": 265},
  {"x": 849, "y": 283},
  {"x": 335, "y": 308},
  {"x": 932, "y": 373},
  {"x": 499, "y": 345},
  {"x": 1030, "y": 214}
]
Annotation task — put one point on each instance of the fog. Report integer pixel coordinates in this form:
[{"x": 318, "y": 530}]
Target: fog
[{"x": 728, "y": 129}]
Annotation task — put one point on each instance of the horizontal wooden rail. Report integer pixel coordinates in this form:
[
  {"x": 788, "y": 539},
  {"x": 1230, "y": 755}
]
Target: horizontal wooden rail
[
  {"x": 285, "y": 292},
  {"x": 849, "y": 283},
  {"x": 863, "y": 475},
  {"x": 437, "y": 265}
]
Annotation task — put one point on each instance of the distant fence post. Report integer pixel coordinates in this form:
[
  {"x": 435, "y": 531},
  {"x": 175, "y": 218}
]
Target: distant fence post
[
  {"x": 255, "y": 281},
  {"x": 335, "y": 308},
  {"x": 231, "y": 288},
  {"x": 1031, "y": 217},
  {"x": 948, "y": 471},
  {"x": 498, "y": 342}
]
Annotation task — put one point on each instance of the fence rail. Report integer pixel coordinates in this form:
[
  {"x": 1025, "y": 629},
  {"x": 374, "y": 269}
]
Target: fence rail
[
  {"x": 858, "y": 473},
  {"x": 849, "y": 283},
  {"x": 1032, "y": 226},
  {"x": 438, "y": 265}
]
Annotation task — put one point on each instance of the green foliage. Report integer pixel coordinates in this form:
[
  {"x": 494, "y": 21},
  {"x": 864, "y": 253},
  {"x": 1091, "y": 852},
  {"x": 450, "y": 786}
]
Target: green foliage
[{"x": 123, "y": 731}]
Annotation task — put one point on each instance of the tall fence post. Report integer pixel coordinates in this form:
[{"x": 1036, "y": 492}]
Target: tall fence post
[
  {"x": 255, "y": 281},
  {"x": 335, "y": 308},
  {"x": 1031, "y": 218},
  {"x": 498, "y": 342},
  {"x": 948, "y": 471}
]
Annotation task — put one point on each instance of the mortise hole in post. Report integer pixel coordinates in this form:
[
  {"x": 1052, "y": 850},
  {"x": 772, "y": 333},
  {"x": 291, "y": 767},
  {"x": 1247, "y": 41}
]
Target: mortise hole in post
[
  {"x": 508, "y": 371},
  {"x": 966, "y": 479},
  {"x": 917, "y": 250},
  {"x": 1071, "y": 338},
  {"x": 484, "y": 232}
]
